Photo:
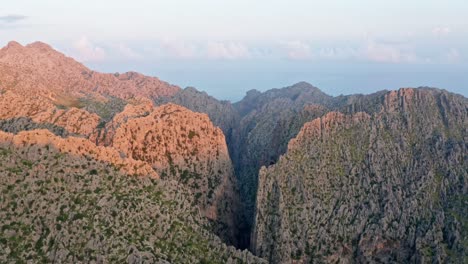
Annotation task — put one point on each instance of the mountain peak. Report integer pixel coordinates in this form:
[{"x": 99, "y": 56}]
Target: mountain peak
[
  {"x": 14, "y": 44},
  {"x": 37, "y": 46},
  {"x": 54, "y": 72},
  {"x": 40, "y": 46},
  {"x": 303, "y": 84}
]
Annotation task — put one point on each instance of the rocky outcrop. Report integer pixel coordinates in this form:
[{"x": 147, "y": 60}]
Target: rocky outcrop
[
  {"x": 16, "y": 104},
  {"x": 183, "y": 146},
  {"x": 385, "y": 187},
  {"x": 59, "y": 207},
  {"x": 37, "y": 142}
]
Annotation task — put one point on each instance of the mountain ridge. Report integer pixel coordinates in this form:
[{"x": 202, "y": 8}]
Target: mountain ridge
[{"x": 280, "y": 172}]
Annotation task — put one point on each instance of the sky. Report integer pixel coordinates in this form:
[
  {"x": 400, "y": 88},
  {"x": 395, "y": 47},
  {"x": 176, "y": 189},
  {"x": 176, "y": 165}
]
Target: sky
[{"x": 229, "y": 47}]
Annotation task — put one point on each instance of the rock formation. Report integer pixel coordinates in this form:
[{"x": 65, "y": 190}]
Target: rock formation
[
  {"x": 39, "y": 67},
  {"x": 268, "y": 121},
  {"x": 42, "y": 84},
  {"x": 98, "y": 168},
  {"x": 60, "y": 207},
  {"x": 385, "y": 187},
  {"x": 183, "y": 146},
  {"x": 35, "y": 142},
  {"x": 221, "y": 113}
]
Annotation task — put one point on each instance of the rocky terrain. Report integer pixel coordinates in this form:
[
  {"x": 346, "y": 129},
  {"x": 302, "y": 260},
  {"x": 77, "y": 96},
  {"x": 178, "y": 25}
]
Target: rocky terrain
[
  {"x": 42, "y": 88},
  {"x": 221, "y": 113},
  {"x": 390, "y": 186},
  {"x": 257, "y": 129},
  {"x": 183, "y": 146},
  {"x": 104, "y": 168},
  {"x": 269, "y": 120},
  {"x": 33, "y": 143},
  {"x": 61, "y": 207},
  {"x": 39, "y": 67}
]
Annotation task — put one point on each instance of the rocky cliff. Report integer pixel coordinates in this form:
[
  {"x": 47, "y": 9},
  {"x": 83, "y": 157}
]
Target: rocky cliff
[
  {"x": 127, "y": 168},
  {"x": 183, "y": 146},
  {"x": 257, "y": 130},
  {"x": 385, "y": 187},
  {"x": 42, "y": 88},
  {"x": 268, "y": 121}
]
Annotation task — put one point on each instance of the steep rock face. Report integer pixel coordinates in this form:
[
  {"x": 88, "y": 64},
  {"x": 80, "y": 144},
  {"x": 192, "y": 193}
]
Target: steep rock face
[
  {"x": 269, "y": 121},
  {"x": 386, "y": 187},
  {"x": 184, "y": 146},
  {"x": 59, "y": 207},
  {"x": 34, "y": 143}
]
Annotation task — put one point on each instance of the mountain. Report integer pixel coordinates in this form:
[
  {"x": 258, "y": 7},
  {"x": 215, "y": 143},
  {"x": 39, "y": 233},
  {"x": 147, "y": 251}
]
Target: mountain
[
  {"x": 184, "y": 146},
  {"x": 257, "y": 130},
  {"x": 221, "y": 113},
  {"x": 111, "y": 118},
  {"x": 99, "y": 168},
  {"x": 38, "y": 67},
  {"x": 390, "y": 186},
  {"x": 61, "y": 206},
  {"x": 295, "y": 96},
  {"x": 42, "y": 84},
  {"x": 268, "y": 121}
]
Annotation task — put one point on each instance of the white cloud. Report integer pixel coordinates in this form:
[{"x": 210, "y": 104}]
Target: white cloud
[
  {"x": 441, "y": 31},
  {"x": 298, "y": 50},
  {"x": 227, "y": 50},
  {"x": 128, "y": 53},
  {"x": 178, "y": 49},
  {"x": 87, "y": 51},
  {"x": 338, "y": 53},
  {"x": 388, "y": 53},
  {"x": 452, "y": 56}
]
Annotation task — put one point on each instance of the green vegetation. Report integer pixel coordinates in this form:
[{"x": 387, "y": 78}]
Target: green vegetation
[
  {"x": 192, "y": 134},
  {"x": 96, "y": 205}
]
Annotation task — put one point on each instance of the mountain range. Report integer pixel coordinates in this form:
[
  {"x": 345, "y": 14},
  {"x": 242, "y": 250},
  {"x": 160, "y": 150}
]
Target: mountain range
[{"x": 98, "y": 168}]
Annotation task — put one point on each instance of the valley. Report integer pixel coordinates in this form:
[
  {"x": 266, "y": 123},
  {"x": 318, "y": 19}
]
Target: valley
[{"x": 98, "y": 167}]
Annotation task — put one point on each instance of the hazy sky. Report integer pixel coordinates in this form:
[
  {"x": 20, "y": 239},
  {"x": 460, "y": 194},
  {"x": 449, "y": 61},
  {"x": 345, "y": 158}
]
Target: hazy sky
[{"x": 229, "y": 47}]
